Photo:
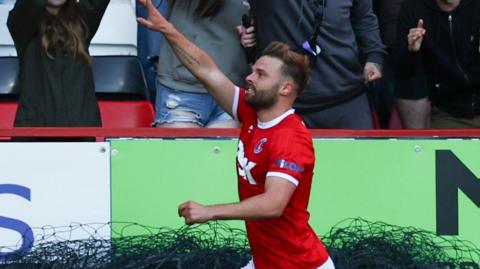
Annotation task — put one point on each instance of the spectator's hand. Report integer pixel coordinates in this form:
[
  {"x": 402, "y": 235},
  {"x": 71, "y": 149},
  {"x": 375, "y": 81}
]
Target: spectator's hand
[
  {"x": 415, "y": 37},
  {"x": 247, "y": 36},
  {"x": 155, "y": 20},
  {"x": 194, "y": 212},
  {"x": 372, "y": 71}
]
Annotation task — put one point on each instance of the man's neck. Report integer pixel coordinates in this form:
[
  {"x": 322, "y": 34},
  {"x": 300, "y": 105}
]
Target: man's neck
[
  {"x": 448, "y": 5},
  {"x": 272, "y": 113}
]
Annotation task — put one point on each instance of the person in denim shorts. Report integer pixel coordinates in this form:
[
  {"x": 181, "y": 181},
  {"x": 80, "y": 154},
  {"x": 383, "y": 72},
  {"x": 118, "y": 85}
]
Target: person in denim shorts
[
  {"x": 182, "y": 101},
  {"x": 182, "y": 109}
]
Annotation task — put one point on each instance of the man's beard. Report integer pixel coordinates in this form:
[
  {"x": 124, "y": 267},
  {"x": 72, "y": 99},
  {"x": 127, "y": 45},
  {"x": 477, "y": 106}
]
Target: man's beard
[{"x": 263, "y": 99}]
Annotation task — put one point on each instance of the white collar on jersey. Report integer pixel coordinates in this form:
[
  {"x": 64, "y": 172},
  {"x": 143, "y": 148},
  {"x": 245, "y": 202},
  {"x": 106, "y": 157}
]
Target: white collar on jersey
[{"x": 277, "y": 120}]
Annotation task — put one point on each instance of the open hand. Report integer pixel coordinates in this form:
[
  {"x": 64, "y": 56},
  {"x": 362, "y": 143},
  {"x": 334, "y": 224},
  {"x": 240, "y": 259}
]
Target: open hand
[{"x": 155, "y": 20}]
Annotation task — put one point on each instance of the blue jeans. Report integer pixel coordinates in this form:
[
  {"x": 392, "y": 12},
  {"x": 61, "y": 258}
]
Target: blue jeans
[{"x": 203, "y": 109}]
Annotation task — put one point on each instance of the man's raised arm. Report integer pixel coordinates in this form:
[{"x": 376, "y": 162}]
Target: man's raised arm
[{"x": 195, "y": 59}]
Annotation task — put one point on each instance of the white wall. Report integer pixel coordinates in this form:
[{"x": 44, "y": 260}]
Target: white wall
[
  {"x": 6, "y": 42},
  {"x": 118, "y": 31}
]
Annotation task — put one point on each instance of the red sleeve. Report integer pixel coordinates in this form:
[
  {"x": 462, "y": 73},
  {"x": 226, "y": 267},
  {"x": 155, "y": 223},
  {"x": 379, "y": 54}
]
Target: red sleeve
[
  {"x": 291, "y": 156},
  {"x": 242, "y": 111}
]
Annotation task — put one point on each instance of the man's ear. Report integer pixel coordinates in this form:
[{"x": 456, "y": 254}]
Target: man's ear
[{"x": 287, "y": 88}]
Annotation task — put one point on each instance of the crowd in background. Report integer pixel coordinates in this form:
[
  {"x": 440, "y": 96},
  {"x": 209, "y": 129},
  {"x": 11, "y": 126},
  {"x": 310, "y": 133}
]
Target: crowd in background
[
  {"x": 366, "y": 66},
  {"x": 420, "y": 57}
]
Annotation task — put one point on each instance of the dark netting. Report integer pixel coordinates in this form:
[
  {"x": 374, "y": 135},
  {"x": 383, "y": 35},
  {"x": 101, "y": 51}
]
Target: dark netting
[
  {"x": 357, "y": 243},
  {"x": 354, "y": 243},
  {"x": 213, "y": 245}
]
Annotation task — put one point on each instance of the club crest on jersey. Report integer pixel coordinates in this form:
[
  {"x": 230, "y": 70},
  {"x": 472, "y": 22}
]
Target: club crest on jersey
[{"x": 259, "y": 147}]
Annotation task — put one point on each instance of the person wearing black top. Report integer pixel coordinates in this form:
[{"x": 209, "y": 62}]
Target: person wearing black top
[
  {"x": 350, "y": 55},
  {"x": 437, "y": 63},
  {"x": 56, "y": 81}
]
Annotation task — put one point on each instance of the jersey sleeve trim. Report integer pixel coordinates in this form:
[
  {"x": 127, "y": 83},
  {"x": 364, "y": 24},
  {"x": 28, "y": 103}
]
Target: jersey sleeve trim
[
  {"x": 236, "y": 99},
  {"x": 287, "y": 177}
]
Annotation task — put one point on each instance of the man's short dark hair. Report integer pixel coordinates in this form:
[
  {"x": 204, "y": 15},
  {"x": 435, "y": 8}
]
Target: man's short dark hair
[{"x": 295, "y": 65}]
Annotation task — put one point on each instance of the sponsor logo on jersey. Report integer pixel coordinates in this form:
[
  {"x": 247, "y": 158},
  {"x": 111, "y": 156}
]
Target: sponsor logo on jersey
[{"x": 289, "y": 165}]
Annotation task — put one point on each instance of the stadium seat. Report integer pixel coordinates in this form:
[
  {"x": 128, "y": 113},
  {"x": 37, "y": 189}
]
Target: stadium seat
[
  {"x": 8, "y": 78},
  {"x": 7, "y": 114},
  {"x": 116, "y": 77},
  {"x": 115, "y": 114},
  {"x": 120, "y": 85},
  {"x": 119, "y": 78},
  {"x": 8, "y": 91},
  {"x": 122, "y": 92},
  {"x": 126, "y": 114}
]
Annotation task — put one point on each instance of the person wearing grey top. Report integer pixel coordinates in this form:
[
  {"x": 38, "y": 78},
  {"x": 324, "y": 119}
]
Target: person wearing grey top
[
  {"x": 351, "y": 55},
  {"x": 182, "y": 100}
]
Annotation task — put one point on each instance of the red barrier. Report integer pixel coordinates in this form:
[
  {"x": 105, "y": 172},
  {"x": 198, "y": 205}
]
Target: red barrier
[{"x": 101, "y": 133}]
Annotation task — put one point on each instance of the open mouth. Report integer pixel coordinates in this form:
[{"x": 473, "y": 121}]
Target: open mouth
[{"x": 251, "y": 90}]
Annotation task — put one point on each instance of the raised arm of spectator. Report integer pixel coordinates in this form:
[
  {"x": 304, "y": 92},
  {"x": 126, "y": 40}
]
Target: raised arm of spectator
[
  {"x": 195, "y": 59},
  {"x": 92, "y": 12},
  {"x": 24, "y": 22},
  {"x": 367, "y": 32}
]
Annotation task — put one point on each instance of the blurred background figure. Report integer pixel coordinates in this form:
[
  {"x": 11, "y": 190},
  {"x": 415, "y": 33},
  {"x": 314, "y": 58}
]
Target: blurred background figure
[
  {"x": 148, "y": 43},
  {"x": 437, "y": 61},
  {"x": 343, "y": 41},
  {"x": 56, "y": 82},
  {"x": 182, "y": 101},
  {"x": 382, "y": 93}
]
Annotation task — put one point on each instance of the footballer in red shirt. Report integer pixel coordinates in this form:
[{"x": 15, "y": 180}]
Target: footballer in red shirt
[
  {"x": 282, "y": 148},
  {"x": 275, "y": 156}
]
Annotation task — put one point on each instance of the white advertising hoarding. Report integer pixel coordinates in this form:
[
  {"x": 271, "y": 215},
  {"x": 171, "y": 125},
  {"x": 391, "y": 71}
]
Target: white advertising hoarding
[{"x": 46, "y": 185}]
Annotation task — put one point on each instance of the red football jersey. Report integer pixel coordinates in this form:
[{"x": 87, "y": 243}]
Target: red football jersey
[{"x": 282, "y": 148}]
